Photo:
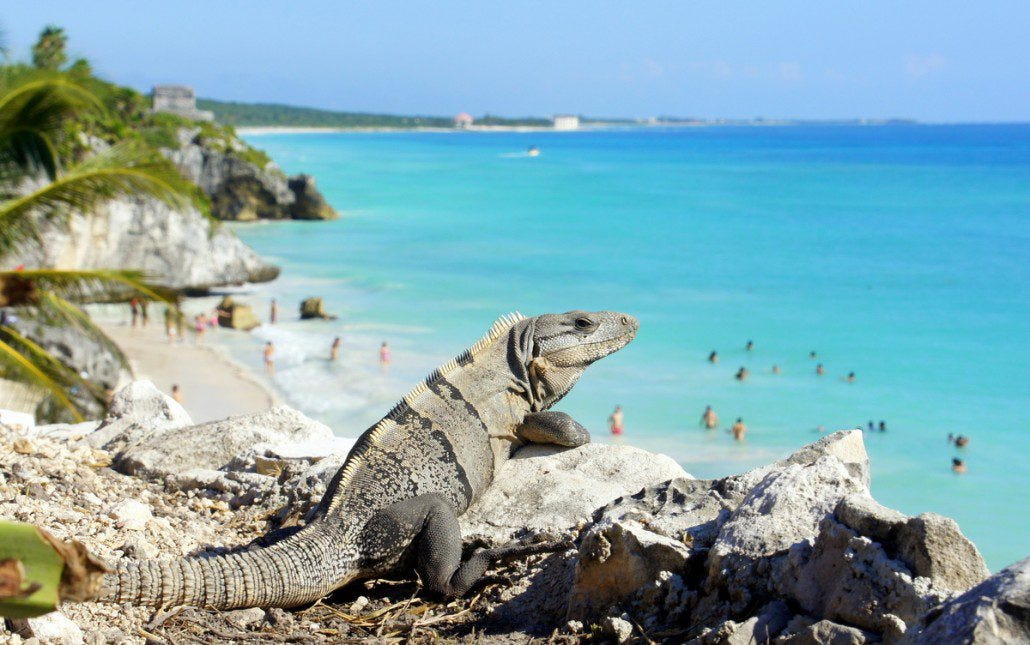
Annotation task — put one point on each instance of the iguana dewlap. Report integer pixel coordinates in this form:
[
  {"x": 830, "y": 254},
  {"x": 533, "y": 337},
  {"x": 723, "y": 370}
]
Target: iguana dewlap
[{"x": 408, "y": 478}]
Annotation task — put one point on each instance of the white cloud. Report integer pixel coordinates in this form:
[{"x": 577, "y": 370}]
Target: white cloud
[{"x": 921, "y": 66}]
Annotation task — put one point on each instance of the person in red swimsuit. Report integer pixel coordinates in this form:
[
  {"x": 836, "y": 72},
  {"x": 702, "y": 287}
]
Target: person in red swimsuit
[{"x": 615, "y": 421}]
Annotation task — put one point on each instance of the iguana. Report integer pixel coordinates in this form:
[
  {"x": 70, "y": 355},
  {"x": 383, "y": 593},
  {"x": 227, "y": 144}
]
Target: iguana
[{"x": 397, "y": 498}]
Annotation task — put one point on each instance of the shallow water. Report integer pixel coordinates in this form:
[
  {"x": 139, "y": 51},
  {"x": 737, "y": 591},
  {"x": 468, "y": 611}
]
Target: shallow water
[{"x": 899, "y": 253}]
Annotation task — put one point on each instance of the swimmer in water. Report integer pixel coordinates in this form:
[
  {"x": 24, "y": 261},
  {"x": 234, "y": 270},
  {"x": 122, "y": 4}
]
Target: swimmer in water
[
  {"x": 709, "y": 420},
  {"x": 958, "y": 466},
  {"x": 739, "y": 429},
  {"x": 750, "y": 346},
  {"x": 775, "y": 369},
  {"x": 742, "y": 374},
  {"x": 713, "y": 357},
  {"x": 615, "y": 424},
  {"x": 819, "y": 369}
]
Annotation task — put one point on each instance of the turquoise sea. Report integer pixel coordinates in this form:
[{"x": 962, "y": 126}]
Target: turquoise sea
[{"x": 901, "y": 253}]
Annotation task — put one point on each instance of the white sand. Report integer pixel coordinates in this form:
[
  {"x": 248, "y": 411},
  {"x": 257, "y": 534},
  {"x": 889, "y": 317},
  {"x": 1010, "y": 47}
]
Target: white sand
[{"x": 213, "y": 386}]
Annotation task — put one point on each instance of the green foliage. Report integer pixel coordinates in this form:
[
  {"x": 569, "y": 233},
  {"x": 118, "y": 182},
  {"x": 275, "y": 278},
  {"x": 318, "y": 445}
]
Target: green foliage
[
  {"x": 38, "y": 571},
  {"x": 49, "y": 50},
  {"x": 32, "y": 569}
]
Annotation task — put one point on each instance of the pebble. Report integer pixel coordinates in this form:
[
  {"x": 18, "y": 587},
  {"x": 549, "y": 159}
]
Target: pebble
[{"x": 130, "y": 514}]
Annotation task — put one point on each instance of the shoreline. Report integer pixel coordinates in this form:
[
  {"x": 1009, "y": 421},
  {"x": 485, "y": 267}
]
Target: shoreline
[{"x": 214, "y": 386}]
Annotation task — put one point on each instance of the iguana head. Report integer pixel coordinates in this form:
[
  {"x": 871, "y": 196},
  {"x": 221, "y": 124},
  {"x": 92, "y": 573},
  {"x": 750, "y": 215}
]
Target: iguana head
[{"x": 556, "y": 348}]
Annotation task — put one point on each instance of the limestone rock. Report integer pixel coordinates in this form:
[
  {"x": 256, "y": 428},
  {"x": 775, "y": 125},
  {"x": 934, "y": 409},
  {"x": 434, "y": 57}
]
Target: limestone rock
[
  {"x": 848, "y": 578},
  {"x": 995, "y": 611},
  {"x": 827, "y": 632},
  {"x": 175, "y": 248},
  {"x": 784, "y": 508},
  {"x": 215, "y": 445},
  {"x": 235, "y": 315},
  {"x": 309, "y": 203},
  {"x": 241, "y": 189},
  {"x": 313, "y": 308},
  {"x": 548, "y": 488},
  {"x": 137, "y": 411},
  {"x": 53, "y": 629},
  {"x": 615, "y": 560},
  {"x": 929, "y": 545},
  {"x": 131, "y": 514},
  {"x": 934, "y": 547}
]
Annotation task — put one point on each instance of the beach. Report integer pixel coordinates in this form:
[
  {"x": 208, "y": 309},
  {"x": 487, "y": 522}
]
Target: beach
[{"x": 213, "y": 385}]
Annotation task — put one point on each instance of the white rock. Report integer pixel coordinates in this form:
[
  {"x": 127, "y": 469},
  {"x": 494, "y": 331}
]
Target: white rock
[
  {"x": 130, "y": 514},
  {"x": 546, "y": 488},
  {"x": 619, "y": 629},
  {"x": 55, "y": 628}
]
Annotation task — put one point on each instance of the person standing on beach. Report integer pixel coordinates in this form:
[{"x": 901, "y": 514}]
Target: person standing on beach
[
  {"x": 709, "y": 419},
  {"x": 180, "y": 323},
  {"x": 384, "y": 356},
  {"x": 334, "y": 350},
  {"x": 273, "y": 312},
  {"x": 199, "y": 325},
  {"x": 615, "y": 425},
  {"x": 739, "y": 429},
  {"x": 134, "y": 306},
  {"x": 176, "y": 393},
  {"x": 270, "y": 358},
  {"x": 144, "y": 314},
  {"x": 169, "y": 323}
]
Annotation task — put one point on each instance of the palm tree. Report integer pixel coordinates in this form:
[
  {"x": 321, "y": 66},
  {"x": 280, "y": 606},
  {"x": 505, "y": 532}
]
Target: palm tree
[{"x": 36, "y": 190}]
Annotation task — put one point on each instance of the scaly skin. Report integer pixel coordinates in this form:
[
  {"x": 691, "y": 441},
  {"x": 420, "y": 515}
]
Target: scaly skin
[{"x": 408, "y": 478}]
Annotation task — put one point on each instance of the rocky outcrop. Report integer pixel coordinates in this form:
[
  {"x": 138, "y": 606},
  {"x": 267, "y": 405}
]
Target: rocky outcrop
[
  {"x": 313, "y": 308},
  {"x": 239, "y": 188},
  {"x": 308, "y": 201},
  {"x": 236, "y": 315},
  {"x": 795, "y": 552},
  {"x": 174, "y": 248},
  {"x": 995, "y": 611}
]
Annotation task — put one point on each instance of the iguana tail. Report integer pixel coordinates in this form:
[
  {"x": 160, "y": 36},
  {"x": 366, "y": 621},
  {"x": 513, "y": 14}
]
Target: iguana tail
[{"x": 299, "y": 569}]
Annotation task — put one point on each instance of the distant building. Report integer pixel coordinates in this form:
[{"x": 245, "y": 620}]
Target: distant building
[
  {"x": 566, "y": 122},
  {"x": 179, "y": 99},
  {"x": 463, "y": 120}
]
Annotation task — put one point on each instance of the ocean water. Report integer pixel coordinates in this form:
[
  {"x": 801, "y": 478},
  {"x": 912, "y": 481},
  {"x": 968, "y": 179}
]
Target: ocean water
[{"x": 899, "y": 253}]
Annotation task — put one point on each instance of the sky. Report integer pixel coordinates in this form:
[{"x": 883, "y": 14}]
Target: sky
[{"x": 932, "y": 61}]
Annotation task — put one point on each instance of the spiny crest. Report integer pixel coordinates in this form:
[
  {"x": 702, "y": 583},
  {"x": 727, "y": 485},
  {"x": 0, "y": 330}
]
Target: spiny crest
[
  {"x": 497, "y": 330},
  {"x": 372, "y": 436}
]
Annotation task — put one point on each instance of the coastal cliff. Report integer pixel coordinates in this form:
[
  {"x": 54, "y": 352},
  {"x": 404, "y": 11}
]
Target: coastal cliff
[
  {"x": 176, "y": 248},
  {"x": 794, "y": 552},
  {"x": 241, "y": 183}
]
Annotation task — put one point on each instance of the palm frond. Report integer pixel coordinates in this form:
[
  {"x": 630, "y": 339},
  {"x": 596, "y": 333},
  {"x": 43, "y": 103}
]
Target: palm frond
[
  {"x": 126, "y": 170},
  {"x": 27, "y": 287},
  {"x": 23, "y": 360},
  {"x": 33, "y": 107}
]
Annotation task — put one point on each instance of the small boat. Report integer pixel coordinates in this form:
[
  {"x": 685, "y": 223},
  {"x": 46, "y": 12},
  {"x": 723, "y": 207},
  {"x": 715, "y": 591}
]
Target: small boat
[{"x": 533, "y": 151}]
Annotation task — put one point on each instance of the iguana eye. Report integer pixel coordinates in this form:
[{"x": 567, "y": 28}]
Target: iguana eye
[{"x": 584, "y": 324}]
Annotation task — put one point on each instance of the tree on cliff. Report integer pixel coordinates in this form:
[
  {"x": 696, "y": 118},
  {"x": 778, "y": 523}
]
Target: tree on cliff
[
  {"x": 37, "y": 109},
  {"x": 49, "y": 51}
]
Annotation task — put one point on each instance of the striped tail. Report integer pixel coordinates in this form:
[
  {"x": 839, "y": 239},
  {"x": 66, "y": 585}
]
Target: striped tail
[{"x": 300, "y": 569}]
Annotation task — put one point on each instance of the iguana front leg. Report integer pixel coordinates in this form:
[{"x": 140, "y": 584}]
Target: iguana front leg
[
  {"x": 430, "y": 524},
  {"x": 554, "y": 428}
]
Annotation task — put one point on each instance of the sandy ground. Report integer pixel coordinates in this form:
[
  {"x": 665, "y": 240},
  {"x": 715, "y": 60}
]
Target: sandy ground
[{"x": 213, "y": 386}]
